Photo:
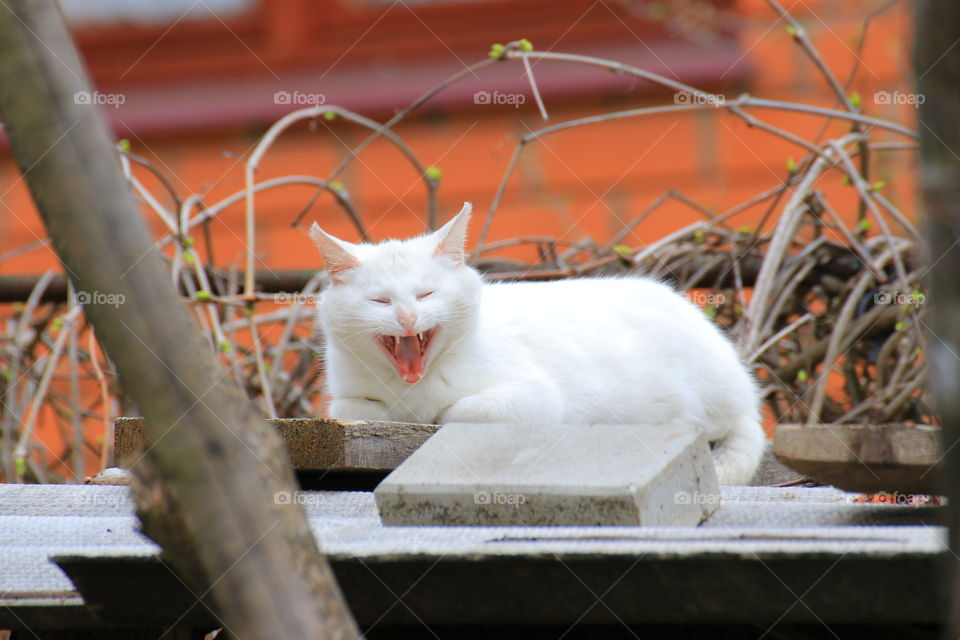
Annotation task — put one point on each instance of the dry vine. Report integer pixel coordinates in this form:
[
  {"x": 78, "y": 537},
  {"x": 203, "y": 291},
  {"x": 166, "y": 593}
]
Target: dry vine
[{"x": 829, "y": 314}]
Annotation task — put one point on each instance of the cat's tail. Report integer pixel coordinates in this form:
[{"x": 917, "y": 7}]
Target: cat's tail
[{"x": 737, "y": 456}]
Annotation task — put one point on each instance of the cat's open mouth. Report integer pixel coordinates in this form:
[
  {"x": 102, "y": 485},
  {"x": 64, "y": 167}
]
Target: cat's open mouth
[{"x": 408, "y": 354}]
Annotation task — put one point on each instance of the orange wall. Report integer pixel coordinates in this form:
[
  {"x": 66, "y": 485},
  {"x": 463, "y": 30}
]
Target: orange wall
[{"x": 584, "y": 181}]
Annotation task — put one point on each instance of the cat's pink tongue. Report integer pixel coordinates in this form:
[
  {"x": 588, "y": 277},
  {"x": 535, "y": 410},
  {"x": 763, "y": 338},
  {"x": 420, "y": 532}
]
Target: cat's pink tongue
[{"x": 409, "y": 359}]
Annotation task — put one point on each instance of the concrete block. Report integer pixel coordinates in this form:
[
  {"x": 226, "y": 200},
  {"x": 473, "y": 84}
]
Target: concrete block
[{"x": 483, "y": 474}]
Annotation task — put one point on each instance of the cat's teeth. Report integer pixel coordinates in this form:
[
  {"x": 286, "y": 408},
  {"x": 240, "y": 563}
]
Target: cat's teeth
[
  {"x": 420, "y": 335},
  {"x": 396, "y": 341}
]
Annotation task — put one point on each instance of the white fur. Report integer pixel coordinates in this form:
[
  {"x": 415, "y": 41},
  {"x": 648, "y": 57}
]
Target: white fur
[{"x": 624, "y": 350}]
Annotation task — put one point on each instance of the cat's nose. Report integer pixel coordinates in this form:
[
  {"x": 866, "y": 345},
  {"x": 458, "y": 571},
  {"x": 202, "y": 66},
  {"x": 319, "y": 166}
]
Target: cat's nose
[{"x": 407, "y": 320}]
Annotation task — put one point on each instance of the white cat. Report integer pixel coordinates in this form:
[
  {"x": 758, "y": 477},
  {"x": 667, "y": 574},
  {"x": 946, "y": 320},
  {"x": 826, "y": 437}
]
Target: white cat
[{"x": 413, "y": 334}]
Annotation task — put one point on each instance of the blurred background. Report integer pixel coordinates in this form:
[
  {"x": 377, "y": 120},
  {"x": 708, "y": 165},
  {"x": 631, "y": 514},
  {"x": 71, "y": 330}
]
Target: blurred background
[
  {"x": 190, "y": 86},
  {"x": 198, "y": 81}
]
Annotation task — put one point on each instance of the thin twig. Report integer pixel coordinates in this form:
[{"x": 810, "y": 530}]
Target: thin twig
[
  {"x": 106, "y": 449},
  {"x": 533, "y": 87}
]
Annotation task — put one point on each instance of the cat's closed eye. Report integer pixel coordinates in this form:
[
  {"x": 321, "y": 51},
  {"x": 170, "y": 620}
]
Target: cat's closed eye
[
  {"x": 380, "y": 300},
  {"x": 421, "y": 296}
]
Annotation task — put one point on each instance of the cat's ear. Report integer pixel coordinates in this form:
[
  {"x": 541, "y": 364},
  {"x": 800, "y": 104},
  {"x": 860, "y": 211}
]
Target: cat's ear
[
  {"x": 452, "y": 236},
  {"x": 336, "y": 253}
]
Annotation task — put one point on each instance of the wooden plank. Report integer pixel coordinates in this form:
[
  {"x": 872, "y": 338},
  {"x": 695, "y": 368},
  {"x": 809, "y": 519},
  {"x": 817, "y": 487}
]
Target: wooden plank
[
  {"x": 314, "y": 444},
  {"x": 869, "y": 458}
]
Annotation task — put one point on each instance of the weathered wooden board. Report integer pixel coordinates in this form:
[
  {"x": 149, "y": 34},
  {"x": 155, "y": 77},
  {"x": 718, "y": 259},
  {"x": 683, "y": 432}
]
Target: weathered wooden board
[
  {"x": 314, "y": 444},
  {"x": 868, "y": 458},
  {"x": 318, "y": 444}
]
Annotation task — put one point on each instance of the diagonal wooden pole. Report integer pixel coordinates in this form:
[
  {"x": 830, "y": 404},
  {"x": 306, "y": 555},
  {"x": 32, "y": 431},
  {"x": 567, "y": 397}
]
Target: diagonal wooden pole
[{"x": 213, "y": 467}]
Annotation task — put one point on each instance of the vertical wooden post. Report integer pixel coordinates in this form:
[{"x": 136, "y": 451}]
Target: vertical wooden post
[{"x": 937, "y": 66}]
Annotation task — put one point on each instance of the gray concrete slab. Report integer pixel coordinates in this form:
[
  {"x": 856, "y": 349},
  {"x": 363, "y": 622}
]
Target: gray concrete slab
[{"x": 539, "y": 475}]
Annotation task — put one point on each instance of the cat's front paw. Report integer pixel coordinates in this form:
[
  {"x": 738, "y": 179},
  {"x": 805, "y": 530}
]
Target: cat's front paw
[
  {"x": 477, "y": 408},
  {"x": 358, "y": 409},
  {"x": 488, "y": 408}
]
